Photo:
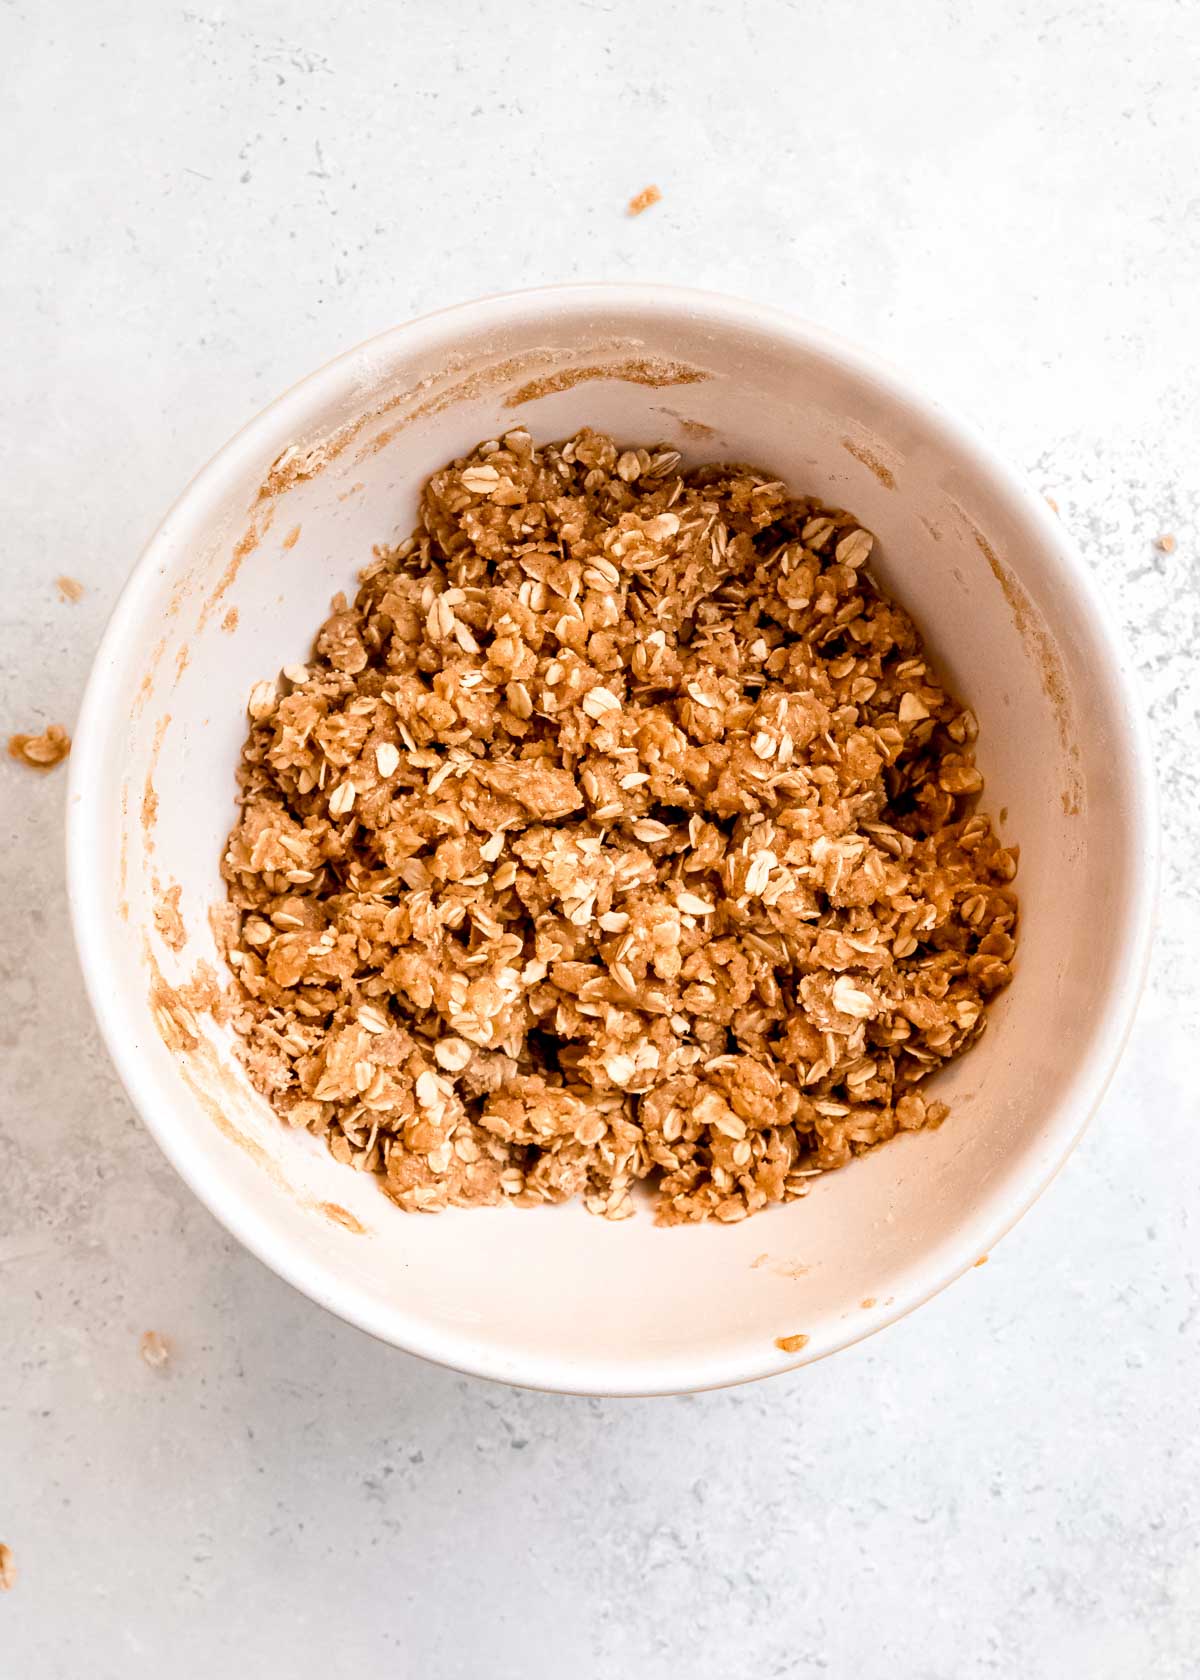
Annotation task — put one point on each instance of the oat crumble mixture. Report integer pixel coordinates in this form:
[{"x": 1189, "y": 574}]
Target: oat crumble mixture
[{"x": 619, "y": 830}]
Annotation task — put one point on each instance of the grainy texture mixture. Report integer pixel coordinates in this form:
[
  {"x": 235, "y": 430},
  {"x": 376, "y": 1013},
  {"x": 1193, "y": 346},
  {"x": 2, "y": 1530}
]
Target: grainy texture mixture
[{"x": 619, "y": 830}]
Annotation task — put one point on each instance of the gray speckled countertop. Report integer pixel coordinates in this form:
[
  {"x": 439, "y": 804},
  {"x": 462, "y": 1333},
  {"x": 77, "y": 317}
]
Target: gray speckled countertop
[{"x": 203, "y": 203}]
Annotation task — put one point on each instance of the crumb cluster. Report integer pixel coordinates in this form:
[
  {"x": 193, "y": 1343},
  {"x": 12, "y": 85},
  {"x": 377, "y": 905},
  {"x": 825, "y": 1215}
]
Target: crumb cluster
[
  {"x": 644, "y": 200},
  {"x": 41, "y": 752},
  {"x": 618, "y": 830},
  {"x": 155, "y": 1350}
]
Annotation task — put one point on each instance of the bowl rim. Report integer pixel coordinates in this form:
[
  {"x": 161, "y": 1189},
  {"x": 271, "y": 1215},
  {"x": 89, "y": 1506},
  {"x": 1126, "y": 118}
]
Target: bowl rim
[{"x": 998, "y": 1211}]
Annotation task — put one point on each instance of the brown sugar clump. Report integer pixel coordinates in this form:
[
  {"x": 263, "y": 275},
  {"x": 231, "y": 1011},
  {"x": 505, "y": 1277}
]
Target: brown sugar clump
[
  {"x": 40, "y": 752},
  {"x": 618, "y": 830}
]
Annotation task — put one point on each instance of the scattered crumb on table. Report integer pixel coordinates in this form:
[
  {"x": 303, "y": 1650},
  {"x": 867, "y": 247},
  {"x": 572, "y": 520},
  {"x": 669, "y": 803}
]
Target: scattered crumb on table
[
  {"x": 40, "y": 752},
  {"x": 1166, "y": 543},
  {"x": 791, "y": 1344},
  {"x": 69, "y": 588},
  {"x": 155, "y": 1350},
  {"x": 230, "y": 621},
  {"x": 580, "y": 1074},
  {"x": 8, "y": 1569},
  {"x": 867, "y": 1303},
  {"x": 643, "y": 200},
  {"x": 982, "y": 1260},
  {"x": 1051, "y": 504}
]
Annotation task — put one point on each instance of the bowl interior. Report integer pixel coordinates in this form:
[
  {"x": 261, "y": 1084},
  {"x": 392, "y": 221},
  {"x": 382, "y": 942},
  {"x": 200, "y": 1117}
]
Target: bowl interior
[{"x": 232, "y": 589}]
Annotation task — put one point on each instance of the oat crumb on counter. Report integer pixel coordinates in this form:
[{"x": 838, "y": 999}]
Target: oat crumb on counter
[
  {"x": 41, "y": 752},
  {"x": 155, "y": 1350},
  {"x": 643, "y": 200}
]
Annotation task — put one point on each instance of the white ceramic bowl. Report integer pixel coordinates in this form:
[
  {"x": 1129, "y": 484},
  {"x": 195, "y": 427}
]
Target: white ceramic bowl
[{"x": 232, "y": 587}]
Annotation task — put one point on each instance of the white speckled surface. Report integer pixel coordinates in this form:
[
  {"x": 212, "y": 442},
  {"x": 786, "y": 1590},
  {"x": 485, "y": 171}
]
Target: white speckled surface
[{"x": 207, "y": 203}]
